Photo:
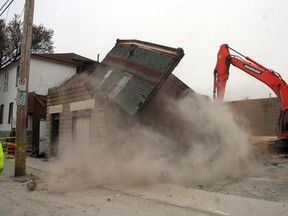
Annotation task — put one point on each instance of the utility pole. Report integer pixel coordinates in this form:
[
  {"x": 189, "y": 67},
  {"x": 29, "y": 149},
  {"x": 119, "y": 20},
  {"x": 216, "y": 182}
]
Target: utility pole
[{"x": 22, "y": 93}]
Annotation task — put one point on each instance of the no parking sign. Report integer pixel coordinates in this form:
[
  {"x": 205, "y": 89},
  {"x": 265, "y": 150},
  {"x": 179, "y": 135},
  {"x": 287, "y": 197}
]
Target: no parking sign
[
  {"x": 21, "y": 93},
  {"x": 22, "y": 82}
]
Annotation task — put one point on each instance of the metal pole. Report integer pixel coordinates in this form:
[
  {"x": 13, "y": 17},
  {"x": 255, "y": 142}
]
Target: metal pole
[{"x": 22, "y": 93}]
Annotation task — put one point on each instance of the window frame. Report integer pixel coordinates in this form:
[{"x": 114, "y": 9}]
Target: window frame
[
  {"x": 6, "y": 81},
  {"x": 117, "y": 88},
  {"x": 1, "y": 113},
  {"x": 17, "y": 75},
  {"x": 105, "y": 76},
  {"x": 10, "y": 113}
]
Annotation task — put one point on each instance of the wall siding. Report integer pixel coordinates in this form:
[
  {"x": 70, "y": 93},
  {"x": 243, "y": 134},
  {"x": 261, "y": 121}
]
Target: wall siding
[{"x": 43, "y": 75}]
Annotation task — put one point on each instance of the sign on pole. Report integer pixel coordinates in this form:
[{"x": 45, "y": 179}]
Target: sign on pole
[
  {"x": 22, "y": 82},
  {"x": 21, "y": 98}
]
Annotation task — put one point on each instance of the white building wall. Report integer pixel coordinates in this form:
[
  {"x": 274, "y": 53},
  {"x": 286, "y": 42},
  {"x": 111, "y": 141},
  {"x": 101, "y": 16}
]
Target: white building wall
[
  {"x": 44, "y": 75},
  {"x": 7, "y": 97}
]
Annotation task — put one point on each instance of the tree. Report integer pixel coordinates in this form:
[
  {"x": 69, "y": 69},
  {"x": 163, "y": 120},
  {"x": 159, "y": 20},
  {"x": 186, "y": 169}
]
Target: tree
[
  {"x": 3, "y": 41},
  {"x": 11, "y": 38},
  {"x": 42, "y": 40}
]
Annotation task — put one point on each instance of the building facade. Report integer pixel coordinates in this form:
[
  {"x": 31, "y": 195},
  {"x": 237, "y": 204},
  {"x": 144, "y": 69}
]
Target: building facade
[
  {"x": 46, "y": 71},
  {"x": 92, "y": 106}
]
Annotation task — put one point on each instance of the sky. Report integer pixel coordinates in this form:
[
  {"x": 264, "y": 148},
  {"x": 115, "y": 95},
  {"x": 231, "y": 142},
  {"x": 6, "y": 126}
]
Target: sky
[{"x": 255, "y": 28}]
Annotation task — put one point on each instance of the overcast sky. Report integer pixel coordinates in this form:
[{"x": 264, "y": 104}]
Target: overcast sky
[{"x": 255, "y": 28}]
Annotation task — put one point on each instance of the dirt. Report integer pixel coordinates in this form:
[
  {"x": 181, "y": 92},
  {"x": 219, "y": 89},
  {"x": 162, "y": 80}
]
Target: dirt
[
  {"x": 268, "y": 183},
  {"x": 17, "y": 200}
]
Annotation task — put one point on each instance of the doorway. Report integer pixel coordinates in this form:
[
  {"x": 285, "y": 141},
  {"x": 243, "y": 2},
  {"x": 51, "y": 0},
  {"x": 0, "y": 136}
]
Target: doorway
[{"x": 55, "y": 134}]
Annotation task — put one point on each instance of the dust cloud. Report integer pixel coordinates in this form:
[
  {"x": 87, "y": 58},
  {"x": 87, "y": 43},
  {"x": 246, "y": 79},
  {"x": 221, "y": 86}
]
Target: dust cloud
[{"x": 213, "y": 144}]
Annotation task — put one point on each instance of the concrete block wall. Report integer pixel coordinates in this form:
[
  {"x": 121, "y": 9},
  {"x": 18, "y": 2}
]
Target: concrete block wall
[
  {"x": 64, "y": 96},
  {"x": 261, "y": 114}
]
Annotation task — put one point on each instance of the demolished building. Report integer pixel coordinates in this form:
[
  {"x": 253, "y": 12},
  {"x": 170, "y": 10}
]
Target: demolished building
[{"x": 130, "y": 83}]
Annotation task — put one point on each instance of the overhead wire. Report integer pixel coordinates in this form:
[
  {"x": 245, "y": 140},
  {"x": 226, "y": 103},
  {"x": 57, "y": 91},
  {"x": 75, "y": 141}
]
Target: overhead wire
[
  {"x": 6, "y": 59},
  {"x": 6, "y": 7}
]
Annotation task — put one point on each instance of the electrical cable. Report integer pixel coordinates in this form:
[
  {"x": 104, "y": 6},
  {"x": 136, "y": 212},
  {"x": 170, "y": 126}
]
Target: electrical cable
[
  {"x": 6, "y": 7},
  {"x": 6, "y": 59}
]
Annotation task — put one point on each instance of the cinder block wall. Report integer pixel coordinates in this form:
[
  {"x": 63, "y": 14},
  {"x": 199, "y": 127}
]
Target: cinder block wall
[
  {"x": 64, "y": 96},
  {"x": 262, "y": 114}
]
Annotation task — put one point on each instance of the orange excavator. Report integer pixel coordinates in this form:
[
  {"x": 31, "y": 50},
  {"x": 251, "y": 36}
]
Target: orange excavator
[{"x": 265, "y": 75}]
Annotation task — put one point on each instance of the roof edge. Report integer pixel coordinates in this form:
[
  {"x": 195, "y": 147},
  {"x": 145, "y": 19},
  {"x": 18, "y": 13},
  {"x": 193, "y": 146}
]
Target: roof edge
[{"x": 151, "y": 46}]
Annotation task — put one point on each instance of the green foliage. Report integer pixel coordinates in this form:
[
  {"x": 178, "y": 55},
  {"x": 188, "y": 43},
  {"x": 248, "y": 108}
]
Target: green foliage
[
  {"x": 11, "y": 38},
  {"x": 42, "y": 40}
]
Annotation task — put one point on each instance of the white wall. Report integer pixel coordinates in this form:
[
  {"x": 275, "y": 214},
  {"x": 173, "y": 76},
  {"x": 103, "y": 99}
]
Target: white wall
[
  {"x": 7, "y": 97},
  {"x": 44, "y": 75}
]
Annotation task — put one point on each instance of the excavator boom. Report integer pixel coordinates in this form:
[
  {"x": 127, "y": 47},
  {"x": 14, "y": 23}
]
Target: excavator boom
[{"x": 256, "y": 70}]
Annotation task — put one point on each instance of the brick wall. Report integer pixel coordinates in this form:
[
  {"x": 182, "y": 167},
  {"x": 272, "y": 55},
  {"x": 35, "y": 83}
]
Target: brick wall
[{"x": 262, "y": 114}]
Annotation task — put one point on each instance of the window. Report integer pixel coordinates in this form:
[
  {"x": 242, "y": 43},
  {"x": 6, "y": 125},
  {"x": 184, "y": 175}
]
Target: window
[
  {"x": 17, "y": 75},
  {"x": 10, "y": 115},
  {"x": 106, "y": 75},
  {"x": 1, "y": 113},
  {"x": 119, "y": 86},
  {"x": 6, "y": 80}
]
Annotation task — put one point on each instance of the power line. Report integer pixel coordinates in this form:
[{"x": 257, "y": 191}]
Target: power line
[{"x": 6, "y": 7}]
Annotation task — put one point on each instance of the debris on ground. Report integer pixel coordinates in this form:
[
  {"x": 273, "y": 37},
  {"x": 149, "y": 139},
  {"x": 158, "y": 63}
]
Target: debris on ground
[{"x": 31, "y": 185}]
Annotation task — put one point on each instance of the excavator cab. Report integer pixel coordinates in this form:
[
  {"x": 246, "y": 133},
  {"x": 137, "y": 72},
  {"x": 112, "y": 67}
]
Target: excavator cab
[{"x": 283, "y": 123}]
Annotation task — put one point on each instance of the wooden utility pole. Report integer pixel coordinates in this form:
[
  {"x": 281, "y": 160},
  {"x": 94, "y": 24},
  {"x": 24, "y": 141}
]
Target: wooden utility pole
[{"x": 22, "y": 93}]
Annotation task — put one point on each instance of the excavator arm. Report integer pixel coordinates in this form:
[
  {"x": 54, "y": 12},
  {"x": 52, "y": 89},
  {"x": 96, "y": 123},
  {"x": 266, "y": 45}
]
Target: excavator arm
[
  {"x": 258, "y": 71},
  {"x": 221, "y": 72},
  {"x": 248, "y": 65}
]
